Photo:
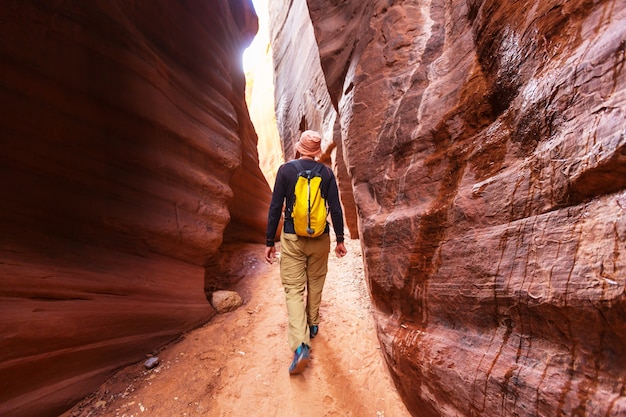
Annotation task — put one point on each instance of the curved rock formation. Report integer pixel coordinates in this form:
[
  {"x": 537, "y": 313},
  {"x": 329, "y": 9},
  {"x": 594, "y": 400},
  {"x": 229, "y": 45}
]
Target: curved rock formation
[
  {"x": 260, "y": 99},
  {"x": 486, "y": 144},
  {"x": 302, "y": 100},
  {"x": 127, "y": 158}
]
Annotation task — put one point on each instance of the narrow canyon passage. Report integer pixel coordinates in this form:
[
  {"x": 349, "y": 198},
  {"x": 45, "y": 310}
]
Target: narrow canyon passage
[
  {"x": 236, "y": 365},
  {"x": 480, "y": 153}
]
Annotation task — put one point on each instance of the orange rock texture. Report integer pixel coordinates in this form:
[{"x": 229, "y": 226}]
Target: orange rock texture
[
  {"x": 485, "y": 143},
  {"x": 127, "y": 158}
]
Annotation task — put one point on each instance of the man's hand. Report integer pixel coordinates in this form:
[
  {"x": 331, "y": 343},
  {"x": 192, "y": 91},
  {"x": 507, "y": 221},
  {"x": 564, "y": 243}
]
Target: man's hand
[
  {"x": 340, "y": 250},
  {"x": 270, "y": 254}
]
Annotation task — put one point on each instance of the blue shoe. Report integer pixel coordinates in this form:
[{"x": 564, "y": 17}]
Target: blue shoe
[
  {"x": 301, "y": 359},
  {"x": 313, "y": 331}
]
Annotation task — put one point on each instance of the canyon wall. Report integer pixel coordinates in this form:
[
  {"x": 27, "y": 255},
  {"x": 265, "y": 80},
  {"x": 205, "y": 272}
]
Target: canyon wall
[
  {"x": 485, "y": 142},
  {"x": 302, "y": 99},
  {"x": 127, "y": 158},
  {"x": 259, "y": 70}
]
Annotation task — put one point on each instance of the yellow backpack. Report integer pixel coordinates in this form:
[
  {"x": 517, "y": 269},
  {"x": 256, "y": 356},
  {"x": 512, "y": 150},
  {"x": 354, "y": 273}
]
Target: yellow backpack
[{"x": 309, "y": 210}]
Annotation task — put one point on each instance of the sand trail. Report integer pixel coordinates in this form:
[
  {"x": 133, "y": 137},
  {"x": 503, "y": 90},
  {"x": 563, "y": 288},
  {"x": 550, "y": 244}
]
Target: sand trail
[{"x": 237, "y": 364}]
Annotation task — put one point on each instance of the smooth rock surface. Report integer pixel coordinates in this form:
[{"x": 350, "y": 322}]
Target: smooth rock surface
[
  {"x": 485, "y": 142},
  {"x": 127, "y": 157}
]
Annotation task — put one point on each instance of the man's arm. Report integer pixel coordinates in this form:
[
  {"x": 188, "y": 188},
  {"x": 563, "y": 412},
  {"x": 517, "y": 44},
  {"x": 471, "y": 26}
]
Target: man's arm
[
  {"x": 336, "y": 212},
  {"x": 270, "y": 254},
  {"x": 273, "y": 215},
  {"x": 340, "y": 250}
]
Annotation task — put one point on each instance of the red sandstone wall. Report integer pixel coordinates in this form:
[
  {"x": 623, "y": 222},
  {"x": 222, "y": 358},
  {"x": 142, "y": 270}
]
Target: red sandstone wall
[
  {"x": 485, "y": 142},
  {"x": 126, "y": 157},
  {"x": 302, "y": 100}
]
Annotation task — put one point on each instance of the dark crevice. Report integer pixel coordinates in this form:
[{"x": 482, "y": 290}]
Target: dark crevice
[{"x": 609, "y": 177}]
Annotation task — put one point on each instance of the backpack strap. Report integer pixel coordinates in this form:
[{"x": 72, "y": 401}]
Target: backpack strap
[
  {"x": 298, "y": 165},
  {"x": 316, "y": 170}
]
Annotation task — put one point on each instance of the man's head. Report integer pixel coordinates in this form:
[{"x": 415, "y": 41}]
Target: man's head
[{"x": 310, "y": 144}]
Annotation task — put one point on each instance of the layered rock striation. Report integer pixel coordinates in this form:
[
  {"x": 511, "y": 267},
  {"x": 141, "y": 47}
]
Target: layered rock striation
[
  {"x": 485, "y": 142},
  {"x": 302, "y": 99},
  {"x": 127, "y": 159}
]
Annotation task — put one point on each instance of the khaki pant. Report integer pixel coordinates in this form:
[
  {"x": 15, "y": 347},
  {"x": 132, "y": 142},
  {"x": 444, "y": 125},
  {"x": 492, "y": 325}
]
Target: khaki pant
[{"x": 303, "y": 267}]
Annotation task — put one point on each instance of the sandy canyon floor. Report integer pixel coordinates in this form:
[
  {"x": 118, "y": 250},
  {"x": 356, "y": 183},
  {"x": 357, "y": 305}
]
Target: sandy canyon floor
[{"x": 237, "y": 364}]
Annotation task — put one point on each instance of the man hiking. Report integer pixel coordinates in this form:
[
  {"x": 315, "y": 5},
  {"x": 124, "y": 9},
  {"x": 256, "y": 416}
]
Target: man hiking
[{"x": 304, "y": 254}]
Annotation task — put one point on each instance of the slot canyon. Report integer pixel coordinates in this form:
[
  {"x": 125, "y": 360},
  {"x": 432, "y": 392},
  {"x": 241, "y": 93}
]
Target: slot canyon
[{"x": 480, "y": 152}]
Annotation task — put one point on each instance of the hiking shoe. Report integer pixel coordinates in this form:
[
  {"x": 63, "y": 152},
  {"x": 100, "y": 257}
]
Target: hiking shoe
[
  {"x": 301, "y": 359},
  {"x": 313, "y": 331}
]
